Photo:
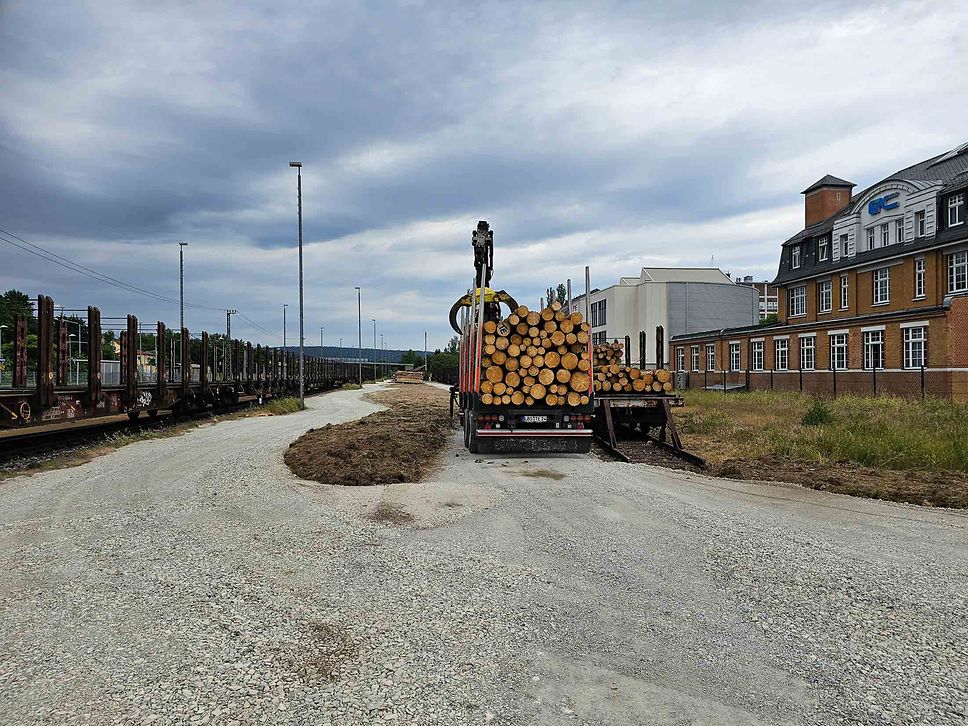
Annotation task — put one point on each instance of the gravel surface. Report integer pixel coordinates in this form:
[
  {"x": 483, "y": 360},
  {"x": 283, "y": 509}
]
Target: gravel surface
[{"x": 195, "y": 580}]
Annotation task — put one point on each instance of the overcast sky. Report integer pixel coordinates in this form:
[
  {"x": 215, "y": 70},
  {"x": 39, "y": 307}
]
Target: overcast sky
[{"x": 611, "y": 134}]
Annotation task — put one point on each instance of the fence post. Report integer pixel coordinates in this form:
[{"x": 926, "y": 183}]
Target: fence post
[
  {"x": 771, "y": 379},
  {"x": 800, "y": 372},
  {"x": 748, "y": 379},
  {"x": 724, "y": 379},
  {"x": 834, "y": 371},
  {"x": 922, "y": 380},
  {"x": 705, "y": 378},
  {"x": 874, "y": 378}
]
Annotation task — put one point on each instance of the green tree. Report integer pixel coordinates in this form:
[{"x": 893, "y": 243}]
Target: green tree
[
  {"x": 771, "y": 319},
  {"x": 562, "y": 292},
  {"x": 412, "y": 358}
]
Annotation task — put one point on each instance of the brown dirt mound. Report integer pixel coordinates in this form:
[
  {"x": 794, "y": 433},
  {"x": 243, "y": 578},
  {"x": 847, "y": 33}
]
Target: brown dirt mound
[
  {"x": 927, "y": 488},
  {"x": 396, "y": 445}
]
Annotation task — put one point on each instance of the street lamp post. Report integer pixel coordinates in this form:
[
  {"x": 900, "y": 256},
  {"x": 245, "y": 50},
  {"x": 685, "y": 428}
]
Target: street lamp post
[
  {"x": 383, "y": 357},
  {"x": 340, "y": 356},
  {"x": 302, "y": 392},
  {"x": 359, "y": 326},
  {"x": 426, "y": 362},
  {"x": 284, "y": 306},
  {"x": 181, "y": 291},
  {"x": 321, "y": 339}
]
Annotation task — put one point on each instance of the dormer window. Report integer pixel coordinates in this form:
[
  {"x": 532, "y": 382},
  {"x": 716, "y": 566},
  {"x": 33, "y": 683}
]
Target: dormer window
[
  {"x": 843, "y": 245},
  {"x": 956, "y": 209},
  {"x": 899, "y": 227},
  {"x": 823, "y": 249},
  {"x": 920, "y": 224},
  {"x": 795, "y": 257},
  {"x": 870, "y": 238}
]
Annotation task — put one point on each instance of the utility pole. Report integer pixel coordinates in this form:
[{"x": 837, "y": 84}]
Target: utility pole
[
  {"x": 284, "y": 306},
  {"x": 181, "y": 286},
  {"x": 383, "y": 356},
  {"x": 426, "y": 362},
  {"x": 302, "y": 391},
  {"x": 373, "y": 320},
  {"x": 228, "y": 323},
  {"x": 359, "y": 330}
]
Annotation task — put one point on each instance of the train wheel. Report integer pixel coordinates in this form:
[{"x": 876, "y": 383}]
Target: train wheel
[
  {"x": 133, "y": 415},
  {"x": 153, "y": 413}
]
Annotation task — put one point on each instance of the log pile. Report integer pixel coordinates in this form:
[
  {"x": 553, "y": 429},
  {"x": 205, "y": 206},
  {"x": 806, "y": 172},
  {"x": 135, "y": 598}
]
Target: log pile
[
  {"x": 402, "y": 376},
  {"x": 612, "y": 375},
  {"x": 536, "y": 357}
]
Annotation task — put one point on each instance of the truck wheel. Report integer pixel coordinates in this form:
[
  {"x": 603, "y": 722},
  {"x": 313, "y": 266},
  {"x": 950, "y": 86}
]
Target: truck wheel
[{"x": 467, "y": 430}]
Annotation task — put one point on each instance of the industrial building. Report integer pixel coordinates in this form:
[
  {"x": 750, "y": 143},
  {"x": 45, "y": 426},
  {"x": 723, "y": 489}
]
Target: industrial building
[
  {"x": 873, "y": 294},
  {"x": 679, "y": 299}
]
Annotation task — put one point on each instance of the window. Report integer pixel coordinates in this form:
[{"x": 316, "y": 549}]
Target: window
[
  {"x": 695, "y": 357},
  {"x": 899, "y": 230},
  {"x": 710, "y": 357},
  {"x": 599, "y": 338},
  {"x": 870, "y": 238},
  {"x": 919, "y": 278},
  {"x": 798, "y": 300},
  {"x": 795, "y": 257},
  {"x": 914, "y": 344},
  {"x": 734, "y": 356},
  {"x": 920, "y": 224},
  {"x": 844, "y": 292},
  {"x": 874, "y": 349},
  {"x": 823, "y": 249},
  {"x": 782, "y": 361},
  {"x": 756, "y": 350},
  {"x": 808, "y": 353},
  {"x": 956, "y": 209},
  {"x": 598, "y": 313},
  {"x": 826, "y": 296},
  {"x": 680, "y": 358},
  {"x": 838, "y": 196},
  {"x": 843, "y": 245},
  {"x": 838, "y": 351},
  {"x": 885, "y": 235},
  {"x": 882, "y": 286},
  {"x": 958, "y": 272}
]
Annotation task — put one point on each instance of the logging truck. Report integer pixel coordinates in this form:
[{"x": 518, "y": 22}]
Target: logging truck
[{"x": 525, "y": 380}]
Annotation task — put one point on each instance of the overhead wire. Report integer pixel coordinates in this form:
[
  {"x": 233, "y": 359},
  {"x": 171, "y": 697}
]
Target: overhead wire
[{"x": 68, "y": 264}]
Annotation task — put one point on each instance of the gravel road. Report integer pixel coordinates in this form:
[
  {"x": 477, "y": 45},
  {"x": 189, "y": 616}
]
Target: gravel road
[{"x": 195, "y": 580}]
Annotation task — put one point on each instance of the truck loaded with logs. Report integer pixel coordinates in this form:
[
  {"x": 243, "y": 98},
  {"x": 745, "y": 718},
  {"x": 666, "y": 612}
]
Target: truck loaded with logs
[{"x": 531, "y": 380}]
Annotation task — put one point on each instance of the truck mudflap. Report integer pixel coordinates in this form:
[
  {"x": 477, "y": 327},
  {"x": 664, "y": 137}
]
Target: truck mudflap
[{"x": 535, "y": 441}]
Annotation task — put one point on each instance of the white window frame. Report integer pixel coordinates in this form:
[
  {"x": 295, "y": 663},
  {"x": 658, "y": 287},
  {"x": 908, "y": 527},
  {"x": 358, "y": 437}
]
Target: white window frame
[
  {"x": 844, "y": 292},
  {"x": 781, "y": 354},
  {"x": 881, "y": 279},
  {"x": 919, "y": 278},
  {"x": 826, "y": 296},
  {"x": 823, "y": 249},
  {"x": 694, "y": 355},
  {"x": 798, "y": 294},
  {"x": 710, "y": 356},
  {"x": 956, "y": 209},
  {"x": 838, "y": 351},
  {"x": 795, "y": 257},
  {"x": 899, "y": 230},
  {"x": 885, "y": 234},
  {"x": 600, "y": 338},
  {"x": 920, "y": 223},
  {"x": 757, "y": 355},
  {"x": 873, "y": 349},
  {"x": 915, "y": 339},
  {"x": 735, "y": 359},
  {"x": 958, "y": 271},
  {"x": 843, "y": 245},
  {"x": 871, "y": 238},
  {"x": 680, "y": 358},
  {"x": 808, "y": 344}
]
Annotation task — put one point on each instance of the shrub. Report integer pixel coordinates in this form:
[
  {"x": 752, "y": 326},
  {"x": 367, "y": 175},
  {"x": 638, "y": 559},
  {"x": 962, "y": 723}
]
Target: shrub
[{"x": 818, "y": 414}]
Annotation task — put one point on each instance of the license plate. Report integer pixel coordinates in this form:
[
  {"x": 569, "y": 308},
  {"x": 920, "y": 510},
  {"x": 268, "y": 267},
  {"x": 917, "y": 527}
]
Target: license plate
[{"x": 534, "y": 419}]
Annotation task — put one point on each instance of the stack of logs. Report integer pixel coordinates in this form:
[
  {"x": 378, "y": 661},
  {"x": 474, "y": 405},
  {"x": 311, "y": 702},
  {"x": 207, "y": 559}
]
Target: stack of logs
[
  {"x": 611, "y": 374},
  {"x": 536, "y": 357}
]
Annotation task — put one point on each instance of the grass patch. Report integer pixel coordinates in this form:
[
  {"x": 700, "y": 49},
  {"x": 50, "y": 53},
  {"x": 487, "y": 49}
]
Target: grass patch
[
  {"x": 918, "y": 440},
  {"x": 351, "y": 387},
  {"x": 280, "y": 406}
]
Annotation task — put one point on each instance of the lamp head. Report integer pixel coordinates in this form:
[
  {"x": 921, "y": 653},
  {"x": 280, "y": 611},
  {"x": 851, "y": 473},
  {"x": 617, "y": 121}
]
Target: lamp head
[{"x": 295, "y": 164}]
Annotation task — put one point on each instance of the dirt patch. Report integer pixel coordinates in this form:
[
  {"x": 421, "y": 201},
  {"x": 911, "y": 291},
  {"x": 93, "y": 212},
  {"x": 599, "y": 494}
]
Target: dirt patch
[
  {"x": 390, "y": 513},
  {"x": 927, "y": 488},
  {"x": 397, "y": 445},
  {"x": 542, "y": 474}
]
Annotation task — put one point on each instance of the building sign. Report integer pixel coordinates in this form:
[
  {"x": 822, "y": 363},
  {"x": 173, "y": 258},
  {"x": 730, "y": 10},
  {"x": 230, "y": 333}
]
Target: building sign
[{"x": 874, "y": 206}]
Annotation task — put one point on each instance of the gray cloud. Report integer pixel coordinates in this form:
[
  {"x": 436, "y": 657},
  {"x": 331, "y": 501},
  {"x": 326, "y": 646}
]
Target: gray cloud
[{"x": 614, "y": 135}]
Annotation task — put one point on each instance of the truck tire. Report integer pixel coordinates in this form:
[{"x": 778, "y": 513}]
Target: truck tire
[{"x": 467, "y": 429}]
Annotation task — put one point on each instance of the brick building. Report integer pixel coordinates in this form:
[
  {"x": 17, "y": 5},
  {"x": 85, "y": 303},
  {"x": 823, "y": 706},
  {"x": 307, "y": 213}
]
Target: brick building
[{"x": 872, "y": 294}]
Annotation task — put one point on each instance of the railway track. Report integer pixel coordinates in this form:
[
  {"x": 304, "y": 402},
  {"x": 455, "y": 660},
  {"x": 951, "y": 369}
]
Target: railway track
[{"x": 33, "y": 445}]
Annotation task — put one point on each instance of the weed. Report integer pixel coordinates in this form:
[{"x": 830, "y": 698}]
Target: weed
[{"x": 818, "y": 414}]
